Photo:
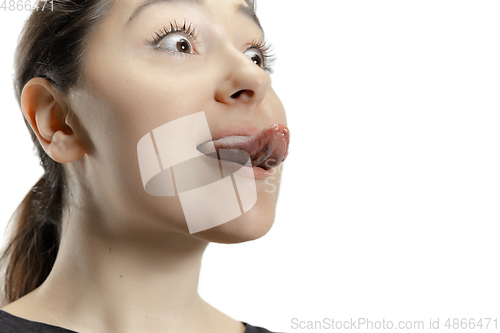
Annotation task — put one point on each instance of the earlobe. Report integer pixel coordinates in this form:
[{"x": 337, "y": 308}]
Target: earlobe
[{"x": 46, "y": 111}]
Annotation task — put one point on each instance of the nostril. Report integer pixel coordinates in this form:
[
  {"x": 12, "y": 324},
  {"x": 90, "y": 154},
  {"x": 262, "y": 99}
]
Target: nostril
[
  {"x": 248, "y": 93},
  {"x": 236, "y": 94}
]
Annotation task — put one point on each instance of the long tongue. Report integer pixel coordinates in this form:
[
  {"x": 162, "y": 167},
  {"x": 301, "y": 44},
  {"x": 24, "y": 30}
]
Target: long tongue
[{"x": 267, "y": 149}]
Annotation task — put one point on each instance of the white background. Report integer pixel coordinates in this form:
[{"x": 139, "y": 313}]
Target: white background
[{"x": 390, "y": 199}]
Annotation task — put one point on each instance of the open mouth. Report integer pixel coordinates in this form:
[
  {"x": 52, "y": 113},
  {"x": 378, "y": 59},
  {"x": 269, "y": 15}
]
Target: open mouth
[{"x": 267, "y": 149}]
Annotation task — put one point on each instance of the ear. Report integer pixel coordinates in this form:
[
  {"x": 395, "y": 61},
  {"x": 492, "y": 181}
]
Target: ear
[{"x": 47, "y": 112}]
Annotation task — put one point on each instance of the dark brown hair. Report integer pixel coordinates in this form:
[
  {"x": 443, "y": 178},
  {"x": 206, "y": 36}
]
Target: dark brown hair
[{"x": 51, "y": 46}]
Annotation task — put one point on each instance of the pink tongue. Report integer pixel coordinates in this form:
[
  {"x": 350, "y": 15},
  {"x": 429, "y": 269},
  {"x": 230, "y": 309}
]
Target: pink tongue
[{"x": 267, "y": 149}]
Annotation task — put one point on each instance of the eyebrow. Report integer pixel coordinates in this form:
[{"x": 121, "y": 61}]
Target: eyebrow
[
  {"x": 152, "y": 2},
  {"x": 245, "y": 10},
  {"x": 250, "y": 13}
]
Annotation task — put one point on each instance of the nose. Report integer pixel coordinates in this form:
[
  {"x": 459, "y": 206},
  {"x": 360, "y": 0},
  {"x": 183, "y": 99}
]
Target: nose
[{"x": 242, "y": 81}]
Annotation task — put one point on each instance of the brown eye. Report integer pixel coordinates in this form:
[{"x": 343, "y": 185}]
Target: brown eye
[
  {"x": 184, "y": 46},
  {"x": 255, "y": 56},
  {"x": 176, "y": 43}
]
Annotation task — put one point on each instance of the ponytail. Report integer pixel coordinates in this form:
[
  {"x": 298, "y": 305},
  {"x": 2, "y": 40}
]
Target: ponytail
[{"x": 32, "y": 251}]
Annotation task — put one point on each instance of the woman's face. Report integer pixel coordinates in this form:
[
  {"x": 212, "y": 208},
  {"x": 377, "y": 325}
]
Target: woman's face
[{"x": 151, "y": 63}]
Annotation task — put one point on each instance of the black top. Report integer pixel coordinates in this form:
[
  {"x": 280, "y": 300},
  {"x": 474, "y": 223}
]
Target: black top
[{"x": 14, "y": 324}]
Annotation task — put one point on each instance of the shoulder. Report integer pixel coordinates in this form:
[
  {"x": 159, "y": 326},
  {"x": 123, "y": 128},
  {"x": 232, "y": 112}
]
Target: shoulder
[
  {"x": 10, "y": 323},
  {"x": 6, "y": 324},
  {"x": 256, "y": 329}
]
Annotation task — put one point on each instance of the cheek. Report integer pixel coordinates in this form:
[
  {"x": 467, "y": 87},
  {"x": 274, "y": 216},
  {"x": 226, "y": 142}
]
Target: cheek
[
  {"x": 113, "y": 173},
  {"x": 117, "y": 111},
  {"x": 135, "y": 97},
  {"x": 272, "y": 110}
]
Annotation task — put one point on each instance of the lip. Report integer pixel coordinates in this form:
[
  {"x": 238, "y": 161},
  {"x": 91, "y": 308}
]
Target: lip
[
  {"x": 260, "y": 173},
  {"x": 235, "y": 130},
  {"x": 253, "y": 172}
]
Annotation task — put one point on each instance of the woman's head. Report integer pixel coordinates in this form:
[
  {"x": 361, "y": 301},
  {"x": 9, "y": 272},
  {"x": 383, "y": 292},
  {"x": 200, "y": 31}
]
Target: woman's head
[{"x": 93, "y": 77}]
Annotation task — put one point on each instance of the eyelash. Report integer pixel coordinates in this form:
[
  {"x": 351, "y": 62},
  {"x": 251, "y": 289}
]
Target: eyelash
[
  {"x": 163, "y": 33},
  {"x": 190, "y": 31},
  {"x": 264, "y": 49}
]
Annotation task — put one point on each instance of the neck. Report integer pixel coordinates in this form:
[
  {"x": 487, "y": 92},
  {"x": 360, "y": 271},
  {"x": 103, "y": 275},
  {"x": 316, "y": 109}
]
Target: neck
[{"x": 128, "y": 281}]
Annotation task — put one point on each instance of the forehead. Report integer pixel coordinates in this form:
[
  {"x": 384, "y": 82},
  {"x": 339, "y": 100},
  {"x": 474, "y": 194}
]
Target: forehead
[{"x": 128, "y": 9}]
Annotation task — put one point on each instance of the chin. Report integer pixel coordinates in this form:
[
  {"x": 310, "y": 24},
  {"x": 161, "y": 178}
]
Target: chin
[{"x": 252, "y": 225}]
